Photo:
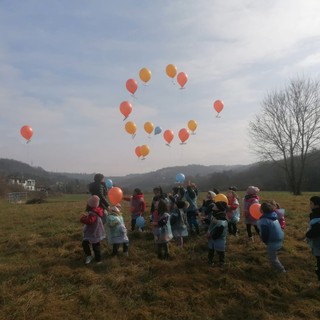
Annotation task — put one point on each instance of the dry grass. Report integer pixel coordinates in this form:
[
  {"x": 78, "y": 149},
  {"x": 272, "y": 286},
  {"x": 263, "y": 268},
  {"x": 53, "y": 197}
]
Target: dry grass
[{"x": 43, "y": 276}]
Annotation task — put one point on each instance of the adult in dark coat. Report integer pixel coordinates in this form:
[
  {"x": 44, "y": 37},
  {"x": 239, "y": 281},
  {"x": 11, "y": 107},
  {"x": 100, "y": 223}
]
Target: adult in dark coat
[{"x": 98, "y": 188}]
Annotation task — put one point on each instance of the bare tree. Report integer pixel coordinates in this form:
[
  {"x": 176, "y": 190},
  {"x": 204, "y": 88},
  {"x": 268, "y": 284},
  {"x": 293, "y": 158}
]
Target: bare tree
[{"x": 288, "y": 128}]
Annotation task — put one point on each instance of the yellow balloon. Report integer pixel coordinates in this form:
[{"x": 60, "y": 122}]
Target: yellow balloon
[
  {"x": 148, "y": 127},
  {"x": 221, "y": 197},
  {"x": 192, "y": 125},
  {"x": 144, "y": 150},
  {"x": 171, "y": 70},
  {"x": 145, "y": 74},
  {"x": 131, "y": 127}
]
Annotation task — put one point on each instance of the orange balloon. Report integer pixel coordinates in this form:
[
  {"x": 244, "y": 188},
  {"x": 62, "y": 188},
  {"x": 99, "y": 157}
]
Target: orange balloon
[
  {"x": 115, "y": 195},
  {"x": 171, "y": 70},
  {"x": 182, "y": 79},
  {"x": 132, "y": 85},
  {"x": 183, "y": 135},
  {"x": 148, "y": 127},
  {"x": 131, "y": 127},
  {"x": 145, "y": 74},
  {"x": 168, "y": 136},
  {"x": 138, "y": 151},
  {"x": 218, "y": 105},
  {"x": 144, "y": 150},
  {"x": 254, "y": 211},
  {"x": 26, "y": 132},
  {"x": 192, "y": 125},
  {"x": 125, "y": 108}
]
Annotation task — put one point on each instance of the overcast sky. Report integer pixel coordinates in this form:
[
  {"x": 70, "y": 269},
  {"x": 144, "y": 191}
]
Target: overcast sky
[{"x": 64, "y": 66}]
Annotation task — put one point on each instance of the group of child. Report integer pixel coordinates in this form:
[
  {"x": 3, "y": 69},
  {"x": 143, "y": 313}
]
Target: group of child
[{"x": 176, "y": 215}]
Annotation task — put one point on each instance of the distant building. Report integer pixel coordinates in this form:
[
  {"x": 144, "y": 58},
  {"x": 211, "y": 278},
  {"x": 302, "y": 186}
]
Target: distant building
[{"x": 27, "y": 184}]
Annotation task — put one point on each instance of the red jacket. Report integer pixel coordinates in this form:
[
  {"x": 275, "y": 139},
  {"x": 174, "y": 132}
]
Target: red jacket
[
  {"x": 92, "y": 218},
  {"x": 138, "y": 205}
]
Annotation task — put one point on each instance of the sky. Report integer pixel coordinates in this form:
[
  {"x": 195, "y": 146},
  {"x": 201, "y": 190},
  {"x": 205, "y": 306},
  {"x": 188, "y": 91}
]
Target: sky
[{"x": 64, "y": 67}]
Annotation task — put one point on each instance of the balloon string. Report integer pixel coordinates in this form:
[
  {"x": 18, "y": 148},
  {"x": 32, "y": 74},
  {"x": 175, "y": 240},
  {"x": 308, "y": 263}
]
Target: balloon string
[
  {"x": 125, "y": 118},
  {"x": 133, "y": 136},
  {"x": 218, "y": 116},
  {"x": 183, "y": 143},
  {"x": 181, "y": 88},
  {"x": 168, "y": 145}
]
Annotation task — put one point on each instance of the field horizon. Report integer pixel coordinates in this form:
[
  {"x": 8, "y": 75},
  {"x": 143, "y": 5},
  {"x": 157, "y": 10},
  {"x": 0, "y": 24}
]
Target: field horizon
[{"x": 43, "y": 275}]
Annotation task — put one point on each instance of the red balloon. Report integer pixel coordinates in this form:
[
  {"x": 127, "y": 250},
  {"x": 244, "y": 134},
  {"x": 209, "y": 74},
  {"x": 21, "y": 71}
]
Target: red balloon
[
  {"x": 132, "y": 85},
  {"x": 254, "y": 211},
  {"x": 168, "y": 136},
  {"x": 115, "y": 195},
  {"x": 125, "y": 108},
  {"x": 218, "y": 105},
  {"x": 183, "y": 135},
  {"x": 138, "y": 151},
  {"x": 182, "y": 79},
  {"x": 26, "y": 132}
]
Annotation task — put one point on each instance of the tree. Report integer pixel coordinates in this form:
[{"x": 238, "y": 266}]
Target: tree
[{"x": 288, "y": 128}]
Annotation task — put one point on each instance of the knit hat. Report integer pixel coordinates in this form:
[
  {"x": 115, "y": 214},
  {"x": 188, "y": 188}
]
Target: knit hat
[
  {"x": 222, "y": 206},
  {"x": 212, "y": 194},
  {"x": 253, "y": 190},
  {"x": 115, "y": 209},
  {"x": 93, "y": 202}
]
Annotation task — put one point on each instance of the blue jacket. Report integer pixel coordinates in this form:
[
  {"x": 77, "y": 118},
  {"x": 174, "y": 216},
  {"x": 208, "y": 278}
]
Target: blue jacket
[
  {"x": 270, "y": 231},
  {"x": 313, "y": 234}
]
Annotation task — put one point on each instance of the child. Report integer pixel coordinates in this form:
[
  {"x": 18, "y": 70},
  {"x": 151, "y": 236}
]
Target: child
[
  {"x": 271, "y": 234},
  {"x": 138, "y": 206},
  {"x": 206, "y": 208},
  {"x": 250, "y": 198},
  {"x": 164, "y": 233},
  {"x": 93, "y": 231},
  {"x": 280, "y": 213},
  {"x": 313, "y": 234},
  {"x": 217, "y": 233},
  {"x": 117, "y": 231},
  {"x": 191, "y": 195},
  {"x": 233, "y": 213},
  {"x": 178, "y": 221},
  {"x": 177, "y": 194}
]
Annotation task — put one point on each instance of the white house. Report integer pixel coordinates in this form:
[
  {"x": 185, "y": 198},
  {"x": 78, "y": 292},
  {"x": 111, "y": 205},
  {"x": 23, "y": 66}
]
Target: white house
[{"x": 27, "y": 184}]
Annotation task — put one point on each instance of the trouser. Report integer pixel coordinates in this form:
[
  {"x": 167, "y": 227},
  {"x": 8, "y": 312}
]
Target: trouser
[
  {"x": 116, "y": 246},
  {"x": 232, "y": 228},
  {"x": 221, "y": 256},
  {"x": 95, "y": 247},
  {"x": 274, "y": 260},
  {"x": 163, "y": 250},
  {"x": 318, "y": 267},
  {"x": 249, "y": 232}
]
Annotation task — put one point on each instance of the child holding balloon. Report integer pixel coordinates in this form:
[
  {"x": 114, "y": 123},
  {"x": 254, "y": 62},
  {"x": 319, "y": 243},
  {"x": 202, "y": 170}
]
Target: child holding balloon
[
  {"x": 250, "y": 198},
  {"x": 271, "y": 234},
  {"x": 137, "y": 206},
  {"x": 178, "y": 221}
]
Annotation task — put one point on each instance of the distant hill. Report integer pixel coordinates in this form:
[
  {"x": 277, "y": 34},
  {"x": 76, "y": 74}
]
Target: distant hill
[{"x": 146, "y": 181}]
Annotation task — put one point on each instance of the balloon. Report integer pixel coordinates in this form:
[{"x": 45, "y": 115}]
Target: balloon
[
  {"x": 218, "y": 105},
  {"x": 182, "y": 79},
  {"x": 125, "y": 108},
  {"x": 144, "y": 150},
  {"x": 138, "y": 151},
  {"x": 192, "y": 125},
  {"x": 148, "y": 127},
  {"x": 221, "y": 197},
  {"x": 109, "y": 183},
  {"x": 132, "y": 85},
  {"x": 157, "y": 130},
  {"x": 183, "y": 135},
  {"x": 168, "y": 136},
  {"x": 171, "y": 70},
  {"x": 254, "y": 211},
  {"x": 115, "y": 195},
  {"x": 140, "y": 222},
  {"x": 180, "y": 177},
  {"x": 145, "y": 74},
  {"x": 131, "y": 127},
  {"x": 26, "y": 132}
]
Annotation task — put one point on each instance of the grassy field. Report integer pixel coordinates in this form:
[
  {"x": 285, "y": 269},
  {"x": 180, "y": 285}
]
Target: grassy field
[{"x": 43, "y": 275}]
